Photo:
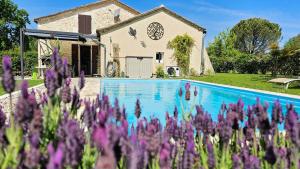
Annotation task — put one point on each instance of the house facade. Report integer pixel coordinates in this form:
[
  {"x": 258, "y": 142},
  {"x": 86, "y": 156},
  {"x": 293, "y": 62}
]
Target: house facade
[{"x": 136, "y": 42}]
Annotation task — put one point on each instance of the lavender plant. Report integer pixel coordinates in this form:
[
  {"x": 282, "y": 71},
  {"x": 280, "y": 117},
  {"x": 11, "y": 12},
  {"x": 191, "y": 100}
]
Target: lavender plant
[{"x": 57, "y": 129}]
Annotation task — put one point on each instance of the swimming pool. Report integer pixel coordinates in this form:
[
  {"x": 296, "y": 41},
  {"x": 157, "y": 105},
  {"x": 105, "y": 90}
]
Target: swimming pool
[{"x": 160, "y": 96}]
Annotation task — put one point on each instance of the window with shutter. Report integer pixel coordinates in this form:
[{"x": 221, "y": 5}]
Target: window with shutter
[{"x": 85, "y": 24}]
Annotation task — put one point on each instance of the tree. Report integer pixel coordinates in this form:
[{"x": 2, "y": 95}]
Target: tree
[
  {"x": 293, "y": 44},
  {"x": 12, "y": 20},
  {"x": 255, "y": 35},
  {"x": 182, "y": 46},
  {"x": 290, "y": 57},
  {"x": 275, "y": 54},
  {"x": 222, "y": 52}
]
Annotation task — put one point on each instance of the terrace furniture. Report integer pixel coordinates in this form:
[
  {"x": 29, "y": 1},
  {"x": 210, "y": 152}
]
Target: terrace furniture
[{"x": 284, "y": 81}]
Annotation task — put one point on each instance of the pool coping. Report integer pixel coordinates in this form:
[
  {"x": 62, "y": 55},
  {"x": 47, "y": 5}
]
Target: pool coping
[
  {"x": 220, "y": 85},
  {"x": 247, "y": 89}
]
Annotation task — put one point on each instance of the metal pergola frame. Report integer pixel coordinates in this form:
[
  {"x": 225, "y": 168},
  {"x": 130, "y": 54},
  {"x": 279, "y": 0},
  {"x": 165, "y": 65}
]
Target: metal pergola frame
[{"x": 55, "y": 35}]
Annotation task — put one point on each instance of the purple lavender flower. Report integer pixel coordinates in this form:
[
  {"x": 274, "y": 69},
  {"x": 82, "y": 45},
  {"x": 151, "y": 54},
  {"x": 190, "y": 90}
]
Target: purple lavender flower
[
  {"x": 262, "y": 116},
  {"x": 281, "y": 154},
  {"x": 195, "y": 92},
  {"x": 138, "y": 109},
  {"x": 248, "y": 132},
  {"x": 164, "y": 156},
  {"x": 186, "y": 160},
  {"x": 175, "y": 112},
  {"x": 2, "y": 118},
  {"x": 65, "y": 70},
  {"x": 36, "y": 127},
  {"x": 252, "y": 119},
  {"x": 277, "y": 115},
  {"x": 32, "y": 158},
  {"x": 224, "y": 128},
  {"x": 180, "y": 92},
  {"x": 236, "y": 162},
  {"x": 89, "y": 114},
  {"x": 58, "y": 67},
  {"x": 203, "y": 123},
  {"x": 106, "y": 161},
  {"x": 292, "y": 126},
  {"x": 81, "y": 81},
  {"x": 25, "y": 106},
  {"x": 56, "y": 157},
  {"x": 56, "y": 61},
  {"x": 75, "y": 100},
  {"x": 8, "y": 80},
  {"x": 252, "y": 162},
  {"x": 240, "y": 109},
  {"x": 65, "y": 92},
  {"x": 223, "y": 108},
  {"x": 72, "y": 136},
  {"x": 211, "y": 157},
  {"x": 187, "y": 91},
  {"x": 270, "y": 156},
  {"x": 100, "y": 137},
  {"x": 51, "y": 82},
  {"x": 3, "y": 140},
  {"x": 117, "y": 112},
  {"x": 152, "y": 138}
]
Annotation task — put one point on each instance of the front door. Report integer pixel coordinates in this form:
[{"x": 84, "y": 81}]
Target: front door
[{"x": 85, "y": 59}]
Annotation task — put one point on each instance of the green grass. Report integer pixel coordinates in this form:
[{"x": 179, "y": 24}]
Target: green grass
[
  {"x": 18, "y": 82},
  {"x": 253, "y": 81}
]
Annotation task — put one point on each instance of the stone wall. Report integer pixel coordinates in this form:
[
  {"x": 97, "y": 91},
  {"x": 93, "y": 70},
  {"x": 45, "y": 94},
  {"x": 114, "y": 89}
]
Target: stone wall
[{"x": 5, "y": 100}]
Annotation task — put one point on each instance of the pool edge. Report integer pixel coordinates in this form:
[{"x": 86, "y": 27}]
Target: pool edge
[{"x": 247, "y": 89}]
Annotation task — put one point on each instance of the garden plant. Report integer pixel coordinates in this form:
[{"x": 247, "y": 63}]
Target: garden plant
[{"x": 49, "y": 130}]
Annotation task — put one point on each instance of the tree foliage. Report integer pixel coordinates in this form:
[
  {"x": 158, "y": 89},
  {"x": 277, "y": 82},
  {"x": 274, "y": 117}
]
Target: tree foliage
[
  {"x": 182, "y": 46},
  {"x": 12, "y": 20},
  {"x": 289, "y": 60},
  {"x": 222, "y": 52},
  {"x": 254, "y": 35},
  {"x": 30, "y": 60},
  {"x": 293, "y": 44}
]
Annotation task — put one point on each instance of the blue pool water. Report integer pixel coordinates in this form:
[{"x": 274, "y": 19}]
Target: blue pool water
[{"x": 159, "y": 96}]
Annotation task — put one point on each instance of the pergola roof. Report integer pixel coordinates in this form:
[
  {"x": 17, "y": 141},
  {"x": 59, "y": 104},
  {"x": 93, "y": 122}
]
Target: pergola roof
[
  {"x": 57, "y": 35},
  {"x": 69, "y": 36}
]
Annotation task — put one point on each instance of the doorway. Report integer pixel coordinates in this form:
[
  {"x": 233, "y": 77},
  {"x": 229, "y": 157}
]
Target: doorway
[{"x": 85, "y": 59}]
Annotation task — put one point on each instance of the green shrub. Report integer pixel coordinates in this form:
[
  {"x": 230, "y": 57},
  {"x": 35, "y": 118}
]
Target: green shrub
[
  {"x": 160, "y": 72},
  {"x": 222, "y": 64},
  {"x": 247, "y": 64},
  {"x": 30, "y": 60}
]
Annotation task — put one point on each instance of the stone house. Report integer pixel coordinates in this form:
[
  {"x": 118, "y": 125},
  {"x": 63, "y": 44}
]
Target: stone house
[{"x": 136, "y": 41}]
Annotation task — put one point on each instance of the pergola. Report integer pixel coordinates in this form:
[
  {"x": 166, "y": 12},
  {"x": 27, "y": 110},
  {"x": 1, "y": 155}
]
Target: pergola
[{"x": 55, "y": 35}]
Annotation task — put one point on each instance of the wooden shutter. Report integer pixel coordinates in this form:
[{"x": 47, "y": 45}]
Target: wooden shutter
[
  {"x": 84, "y": 24},
  {"x": 88, "y": 24},
  {"x": 81, "y": 23},
  {"x": 75, "y": 59},
  {"x": 95, "y": 56}
]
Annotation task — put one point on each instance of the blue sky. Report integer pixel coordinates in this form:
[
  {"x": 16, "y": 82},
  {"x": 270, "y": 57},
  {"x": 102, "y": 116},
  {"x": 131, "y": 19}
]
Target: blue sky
[{"x": 214, "y": 15}]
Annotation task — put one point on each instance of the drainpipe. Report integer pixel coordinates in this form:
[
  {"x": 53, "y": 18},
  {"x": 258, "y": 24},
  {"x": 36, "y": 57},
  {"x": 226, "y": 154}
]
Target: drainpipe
[{"x": 202, "y": 69}]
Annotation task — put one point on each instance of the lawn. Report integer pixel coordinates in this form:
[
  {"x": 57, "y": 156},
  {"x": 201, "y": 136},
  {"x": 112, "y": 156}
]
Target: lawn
[
  {"x": 253, "y": 81},
  {"x": 30, "y": 82}
]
